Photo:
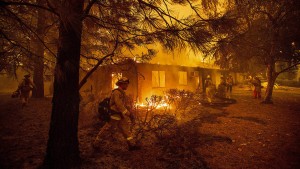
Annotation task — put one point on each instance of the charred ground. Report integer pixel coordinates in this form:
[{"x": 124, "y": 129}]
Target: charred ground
[{"x": 246, "y": 134}]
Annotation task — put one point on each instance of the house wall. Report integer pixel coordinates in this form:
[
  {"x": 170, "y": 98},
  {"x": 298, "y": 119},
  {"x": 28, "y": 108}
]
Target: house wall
[
  {"x": 145, "y": 88},
  {"x": 99, "y": 83},
  {"x": 239, "y": 78},
  {"x": 140, "y": 76},
  {"x": 101, "y": 80}
]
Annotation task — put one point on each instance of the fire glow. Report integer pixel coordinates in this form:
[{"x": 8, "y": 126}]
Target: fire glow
[{"x": 150, "y": 105}]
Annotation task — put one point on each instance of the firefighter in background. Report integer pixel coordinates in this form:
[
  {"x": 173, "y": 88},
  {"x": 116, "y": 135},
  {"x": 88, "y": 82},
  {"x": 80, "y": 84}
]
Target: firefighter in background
[
  {"x": 221, "y": 91},
  {"x": 229, "y": 84},
  {"x": 257, "y": 87},
  {"x": 24, "y": 88},
  {"x": 121, "y": 119},
  {"x": 210, "y": 89}
]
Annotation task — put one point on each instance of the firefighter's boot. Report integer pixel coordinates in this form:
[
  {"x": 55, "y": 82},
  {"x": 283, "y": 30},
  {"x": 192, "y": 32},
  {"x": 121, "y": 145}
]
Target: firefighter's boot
[{"x": 132, "y": 146}]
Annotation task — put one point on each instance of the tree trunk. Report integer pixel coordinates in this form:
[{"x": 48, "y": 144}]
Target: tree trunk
[
  {"x": 38, "y": 74},
  {"x": 63, "y": 147},
  {"x": 271, "y": 77}
]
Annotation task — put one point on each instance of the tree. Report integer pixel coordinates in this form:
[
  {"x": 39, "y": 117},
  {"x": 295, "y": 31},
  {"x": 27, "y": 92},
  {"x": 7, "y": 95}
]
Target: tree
[
  {"x": 12, "y": 42},
  {"x": 38, "y": 75},
  {"x": 23, "y": 38},
  {"x": 266, "y": 33},
  {"x": 62, "y": 148},
  {"x": 99, "y": 34}
]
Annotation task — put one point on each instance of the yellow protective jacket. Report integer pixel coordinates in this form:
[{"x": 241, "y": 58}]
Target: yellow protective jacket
[{"x": 118, "y": 104}]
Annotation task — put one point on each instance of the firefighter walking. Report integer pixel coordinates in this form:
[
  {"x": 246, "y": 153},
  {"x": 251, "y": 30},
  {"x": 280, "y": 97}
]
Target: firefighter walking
[
  {"x": 120, "y": 120},
  {"x": 24, "y": 88},
  {"x": 210, "y": 89},
  {"x": 257, "y": 87}
]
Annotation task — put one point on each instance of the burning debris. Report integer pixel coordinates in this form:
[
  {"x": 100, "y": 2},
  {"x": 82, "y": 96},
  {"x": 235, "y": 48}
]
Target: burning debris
[{"x": 154, "y": 102}]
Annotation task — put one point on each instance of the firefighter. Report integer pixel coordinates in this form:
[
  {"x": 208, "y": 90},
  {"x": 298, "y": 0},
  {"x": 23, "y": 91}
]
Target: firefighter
[
  {"x": 120, "y": 120},
  {"x": 229, "y": 84},
  {"x": 210, "y": 89},
  {"x": 257, "y": 87},
  {"x": 221, "y": 92},
  {"x": 24, "y": 88}
]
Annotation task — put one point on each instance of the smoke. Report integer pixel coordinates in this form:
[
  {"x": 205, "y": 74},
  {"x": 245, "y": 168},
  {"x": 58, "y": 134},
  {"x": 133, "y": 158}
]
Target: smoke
[{"x": 180, "y": 57}]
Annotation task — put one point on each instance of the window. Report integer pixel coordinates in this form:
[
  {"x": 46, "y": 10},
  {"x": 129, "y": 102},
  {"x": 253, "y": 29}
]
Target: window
[
  {"x": 195, "y": 74},
  {"x": 182, "y": 78},
  {"x": 158, "y": 79},
  {"x": 114, "y": 78}
]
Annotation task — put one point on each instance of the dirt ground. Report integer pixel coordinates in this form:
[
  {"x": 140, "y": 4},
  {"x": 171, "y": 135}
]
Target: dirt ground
[{"x": 246, "y": 135}]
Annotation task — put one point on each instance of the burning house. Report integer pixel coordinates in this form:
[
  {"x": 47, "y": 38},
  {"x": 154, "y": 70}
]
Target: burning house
[{"x": 147, "y": 79}]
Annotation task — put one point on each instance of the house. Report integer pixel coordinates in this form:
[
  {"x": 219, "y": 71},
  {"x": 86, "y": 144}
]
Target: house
[{"x": 148, "y": 79}]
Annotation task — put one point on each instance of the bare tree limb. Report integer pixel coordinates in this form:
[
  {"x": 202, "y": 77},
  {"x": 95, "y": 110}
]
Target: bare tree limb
[
  {"x": 10, "y": 3},
  {"x": 84, "y": 80},
  {"x": 32, "y": 31},
  {"x": 195, "y": 10},
  {"x": 287, "y": 68},
  {"x": 20, "y": 46},
  {"x": 161, "y": 12},
  {"x": 88, "y": 8}
]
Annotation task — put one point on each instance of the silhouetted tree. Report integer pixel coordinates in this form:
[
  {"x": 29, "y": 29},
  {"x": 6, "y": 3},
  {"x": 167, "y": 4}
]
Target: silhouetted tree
[
  {"x": 38, "y": 47},
  {"x": 23, "y": 39},
  {"x": 265, "y": 33},
  {"x": 97, "y": 35}
]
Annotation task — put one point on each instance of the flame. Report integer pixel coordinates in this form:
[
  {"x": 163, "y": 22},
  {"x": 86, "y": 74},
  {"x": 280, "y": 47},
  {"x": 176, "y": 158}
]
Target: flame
[{"x": 161, "y": 105}]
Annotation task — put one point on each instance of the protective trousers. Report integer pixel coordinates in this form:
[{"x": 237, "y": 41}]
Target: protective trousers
[
  {"x": 210, "y": 91},
  {"x": 24, "y": 97},
  {"x": 123, "y": 126},
  {"x": 256, "y": 94}
]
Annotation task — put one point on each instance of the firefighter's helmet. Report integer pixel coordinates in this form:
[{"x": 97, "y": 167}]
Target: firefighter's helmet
[{"x": 123, "y": 80}]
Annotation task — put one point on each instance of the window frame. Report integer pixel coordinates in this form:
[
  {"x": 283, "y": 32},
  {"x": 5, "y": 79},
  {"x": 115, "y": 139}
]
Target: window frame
[
  {"x": 160, "y": 82},
  {"x": 182, "y": 77}
]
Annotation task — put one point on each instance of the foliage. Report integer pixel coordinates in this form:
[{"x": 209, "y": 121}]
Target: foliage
[
  {"x": 163, "y": 128},
  {"x": 19, "y": 33},
  {"x": 151, "y": 118},
  {"x": 180, "y": 99},
  {"x": 113, "y": 29},
  {"x": 100, "y": 32},
  {"x": 263, "y": 31}
]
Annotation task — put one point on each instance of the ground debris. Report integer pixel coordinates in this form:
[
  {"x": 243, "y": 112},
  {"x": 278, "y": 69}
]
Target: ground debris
[{"x": 243, "y": 135}]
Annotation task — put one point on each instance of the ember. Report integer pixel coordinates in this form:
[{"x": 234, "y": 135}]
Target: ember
[{"x": 153, "y": 105}]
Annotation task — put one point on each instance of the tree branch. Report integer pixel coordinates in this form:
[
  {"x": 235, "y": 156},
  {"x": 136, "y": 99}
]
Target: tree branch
[
  {"x": 88, "y": 8},
  {"x": 100, "y": 61},
  {"x": 30, "y": 30},
  {"x": 3, "y": 4},
  {"x": 195, "y": 10},
  {"x": 283, "y": 70},
  {"x": 160, "y": 12},
  {"x": 20, "y": 46}
]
